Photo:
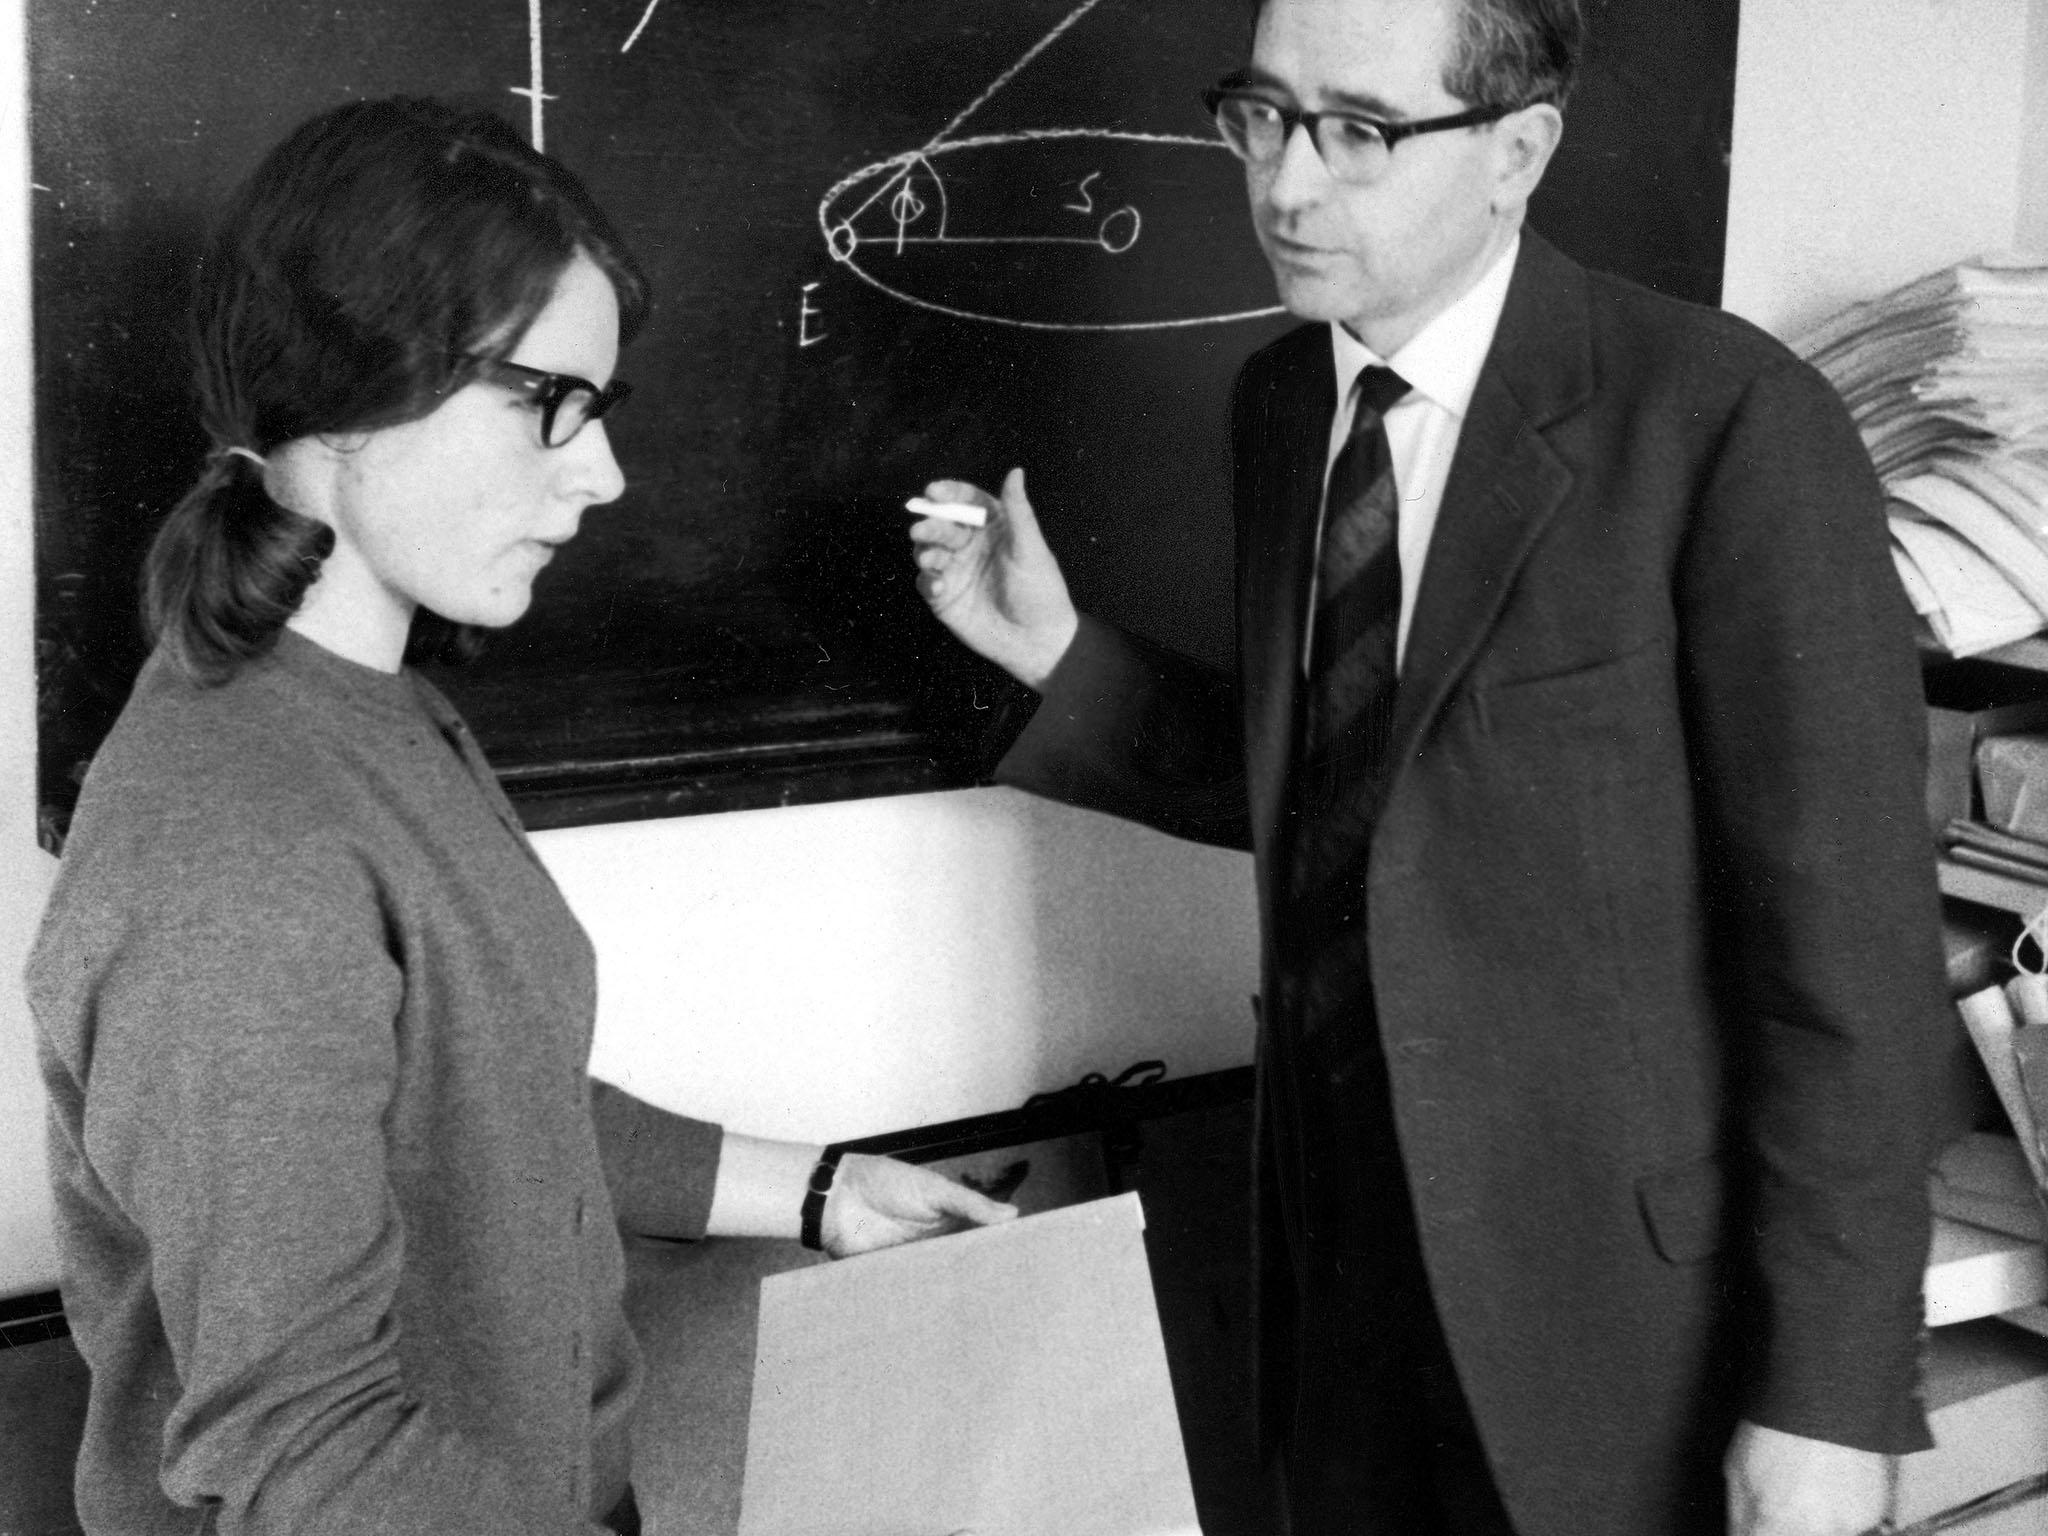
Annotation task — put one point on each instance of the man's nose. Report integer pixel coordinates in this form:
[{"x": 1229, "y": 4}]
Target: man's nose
[{"x": 1300, "y": 177}]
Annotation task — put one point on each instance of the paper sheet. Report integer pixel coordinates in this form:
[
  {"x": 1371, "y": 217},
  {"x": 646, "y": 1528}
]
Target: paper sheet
[{"x": 1009, "y": 1381}]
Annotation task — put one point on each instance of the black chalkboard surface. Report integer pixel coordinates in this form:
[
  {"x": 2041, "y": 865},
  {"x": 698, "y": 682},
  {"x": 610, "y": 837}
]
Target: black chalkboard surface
[{"x": 889, "y": 239}]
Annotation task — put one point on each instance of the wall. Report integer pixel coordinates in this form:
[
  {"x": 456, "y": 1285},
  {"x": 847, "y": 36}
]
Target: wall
[
  {"x": 1874, "y": 142},
  {"x": 843, "y": 968},
  {"x": 27, "y": 1254},
  {"x": 2032, "y": 222},
  {"x": 836, "y": 970}
]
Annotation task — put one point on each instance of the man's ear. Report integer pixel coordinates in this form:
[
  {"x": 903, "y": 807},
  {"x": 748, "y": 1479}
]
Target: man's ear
[{"x": 1525, "y": 141}]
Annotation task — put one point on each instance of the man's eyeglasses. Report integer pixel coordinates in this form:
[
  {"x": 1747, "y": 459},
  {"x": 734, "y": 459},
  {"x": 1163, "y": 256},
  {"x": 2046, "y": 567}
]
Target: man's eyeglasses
[
  {"x": 566, "y": 403},
  {"x": 1354, "y": 147}
]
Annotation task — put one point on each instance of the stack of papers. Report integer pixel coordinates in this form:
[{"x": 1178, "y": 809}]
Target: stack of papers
[{"x": 1947, "y": 380}]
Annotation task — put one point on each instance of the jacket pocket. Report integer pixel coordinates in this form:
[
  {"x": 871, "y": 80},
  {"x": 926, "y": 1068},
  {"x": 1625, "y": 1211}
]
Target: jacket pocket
[
  {"x": 1685, "y": 1209},
  {"x": 1610, "y": 677}
]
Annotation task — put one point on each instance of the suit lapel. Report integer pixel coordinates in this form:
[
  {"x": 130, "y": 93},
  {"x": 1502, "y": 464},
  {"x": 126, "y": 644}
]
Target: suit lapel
[
  {"x": 1505, "y": 483},
  {"x": 1285, "y": 454}
]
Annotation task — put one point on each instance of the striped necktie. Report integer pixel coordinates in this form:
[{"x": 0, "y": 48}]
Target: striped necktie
[{"x": 1349, "y": 704}]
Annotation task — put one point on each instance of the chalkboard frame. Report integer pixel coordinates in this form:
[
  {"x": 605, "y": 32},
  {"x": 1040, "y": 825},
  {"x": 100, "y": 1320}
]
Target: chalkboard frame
[{"x": 696, "y": 689}]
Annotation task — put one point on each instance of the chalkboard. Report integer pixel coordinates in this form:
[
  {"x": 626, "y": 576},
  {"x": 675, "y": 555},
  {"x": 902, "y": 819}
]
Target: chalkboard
[{"x": 888, "y": 238}]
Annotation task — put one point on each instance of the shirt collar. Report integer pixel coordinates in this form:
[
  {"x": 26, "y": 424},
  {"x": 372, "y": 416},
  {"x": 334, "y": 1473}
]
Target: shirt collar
[{"x": 1442, "y": 360}]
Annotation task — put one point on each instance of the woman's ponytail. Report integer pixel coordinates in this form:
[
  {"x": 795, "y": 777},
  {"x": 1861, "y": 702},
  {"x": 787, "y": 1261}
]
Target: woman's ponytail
[{"x": 227, "y": 568}]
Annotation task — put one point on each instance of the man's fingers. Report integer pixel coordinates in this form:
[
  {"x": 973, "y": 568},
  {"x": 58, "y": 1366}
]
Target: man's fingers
[
  {"x": 1017, "y": 504},
  {"x": 937, "y": 533}
]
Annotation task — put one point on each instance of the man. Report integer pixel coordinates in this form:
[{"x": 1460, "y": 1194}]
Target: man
[{"x": 1576, "y": 732}]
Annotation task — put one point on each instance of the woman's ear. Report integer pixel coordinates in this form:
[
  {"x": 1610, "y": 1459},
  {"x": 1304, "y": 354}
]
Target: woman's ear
[{"x": 301, "y": 476}]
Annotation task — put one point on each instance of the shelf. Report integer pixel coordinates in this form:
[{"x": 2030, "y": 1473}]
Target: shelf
[
  {"x": 1987, "y": 1405},
  {"x": 2006, "y": 892},
  {"x": 1985, "y": 1376},
  {"x": 1973, "y": 1272},
  {"x": 2031, "y": 653}
]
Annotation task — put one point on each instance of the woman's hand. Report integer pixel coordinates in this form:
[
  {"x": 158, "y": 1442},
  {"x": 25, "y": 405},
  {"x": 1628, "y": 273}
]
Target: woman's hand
[
  {"x": 878, "y": 1202},
  {"x": 874, "y": 1202}
]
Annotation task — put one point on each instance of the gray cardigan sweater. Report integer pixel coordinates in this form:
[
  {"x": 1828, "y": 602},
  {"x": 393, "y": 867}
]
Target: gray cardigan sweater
[{"x": 337, "y": 1242}]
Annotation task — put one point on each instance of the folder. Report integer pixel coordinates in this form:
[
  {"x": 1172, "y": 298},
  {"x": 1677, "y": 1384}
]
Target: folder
[{"x": 1006, "y": 1381}]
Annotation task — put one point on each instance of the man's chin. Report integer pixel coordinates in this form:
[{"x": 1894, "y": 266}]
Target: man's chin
[{"x": 1313, "y": 298}]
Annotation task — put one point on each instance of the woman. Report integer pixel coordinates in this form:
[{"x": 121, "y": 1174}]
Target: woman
[{"x": 339, "y": 1248}]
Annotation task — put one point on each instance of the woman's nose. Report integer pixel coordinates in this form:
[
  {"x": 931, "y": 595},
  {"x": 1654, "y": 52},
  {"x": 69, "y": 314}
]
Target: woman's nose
[{"x": 595, "y": 476}]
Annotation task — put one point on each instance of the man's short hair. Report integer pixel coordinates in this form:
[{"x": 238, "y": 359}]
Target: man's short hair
[
  {"x": 1510, "y": 52},
  {"x": 1515, "y": 53}
]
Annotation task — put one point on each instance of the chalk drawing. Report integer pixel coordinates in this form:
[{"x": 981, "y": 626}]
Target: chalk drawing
[
  {"x": 645, "y": 17},
  {"x": 876, "y": 215},
  {"x": 1016, "y": 69},
  {"x": 537, "y": 128},
  {"x": 805, "y": 315}
]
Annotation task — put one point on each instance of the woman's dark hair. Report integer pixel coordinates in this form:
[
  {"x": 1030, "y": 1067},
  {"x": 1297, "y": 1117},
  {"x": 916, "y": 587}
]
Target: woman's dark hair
[{"x": 351, "y": 283}]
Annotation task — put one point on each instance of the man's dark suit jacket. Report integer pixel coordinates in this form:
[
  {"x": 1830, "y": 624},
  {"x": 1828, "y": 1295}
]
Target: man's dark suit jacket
[{"x": 1655, "y": 939}]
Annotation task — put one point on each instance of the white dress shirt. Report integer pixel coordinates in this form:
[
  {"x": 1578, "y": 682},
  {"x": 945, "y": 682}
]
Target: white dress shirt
[{"x": 1441, "y": 364}]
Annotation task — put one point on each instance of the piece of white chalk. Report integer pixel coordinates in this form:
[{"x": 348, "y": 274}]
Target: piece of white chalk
[{"x": 973, "y": 514}]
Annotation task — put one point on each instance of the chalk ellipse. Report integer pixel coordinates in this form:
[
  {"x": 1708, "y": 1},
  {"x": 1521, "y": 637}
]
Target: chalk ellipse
[{"x": 1058, "y": 229}]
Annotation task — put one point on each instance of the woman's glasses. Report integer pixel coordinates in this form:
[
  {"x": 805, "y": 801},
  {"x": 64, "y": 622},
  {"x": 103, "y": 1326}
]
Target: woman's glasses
[{"x": 566, "y": 403}]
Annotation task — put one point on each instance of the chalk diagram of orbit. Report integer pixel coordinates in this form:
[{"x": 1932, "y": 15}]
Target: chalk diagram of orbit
[{"x": 903, "y": 226}]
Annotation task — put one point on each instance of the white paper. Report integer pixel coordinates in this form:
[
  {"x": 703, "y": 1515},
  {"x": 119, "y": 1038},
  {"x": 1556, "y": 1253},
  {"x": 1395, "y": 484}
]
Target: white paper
[{"x": 1008, "y": 1381}]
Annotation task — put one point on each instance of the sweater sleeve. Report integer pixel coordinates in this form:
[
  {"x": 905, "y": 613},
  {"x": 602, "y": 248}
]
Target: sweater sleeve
[
  {"x": 660, "y": 1168},
  {"x": 244, "y": 1058}
]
